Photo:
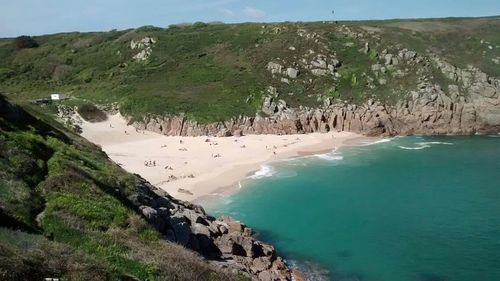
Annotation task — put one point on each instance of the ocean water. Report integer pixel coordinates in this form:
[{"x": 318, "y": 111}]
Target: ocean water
[{"x": 404, "y": 209}]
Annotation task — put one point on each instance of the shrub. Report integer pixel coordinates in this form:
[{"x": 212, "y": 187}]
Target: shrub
[
  {"x": 200, "y": 24},
  {"x": 25, "y": 42},
  {"x": 6, "y": 73},
  {"x": 86, "y": 75},
  {"x": 91, "y": 113},
  {"x": 373, "y": 55},
  {"x": 61, "y": 72},
  {"x": 45, "y": 67},
  {"x": 83, "y": 43},
  {"x": 99, "y": 214}
]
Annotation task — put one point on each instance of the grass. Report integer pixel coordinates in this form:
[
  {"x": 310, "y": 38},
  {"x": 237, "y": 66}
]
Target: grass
[
  {"x": 457, "y": 40},
  {"x": 68, "y": 212},
  {"x": 26, "y": 256},
  {"x": 212, "y": 72}
]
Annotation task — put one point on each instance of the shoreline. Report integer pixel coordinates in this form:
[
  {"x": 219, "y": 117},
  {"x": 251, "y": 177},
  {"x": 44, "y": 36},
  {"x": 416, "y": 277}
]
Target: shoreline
[
  {"x": 233, "y": 188},
  {"x": 196, "y": 169}
]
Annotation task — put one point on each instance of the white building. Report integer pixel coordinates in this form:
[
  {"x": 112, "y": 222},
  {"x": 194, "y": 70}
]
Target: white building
[{"x": 56, "y": 97}]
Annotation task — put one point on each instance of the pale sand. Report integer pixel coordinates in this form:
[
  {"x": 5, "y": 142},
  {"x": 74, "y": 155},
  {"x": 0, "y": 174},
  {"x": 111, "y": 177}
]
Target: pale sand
[{"x": 239, "y": 156}]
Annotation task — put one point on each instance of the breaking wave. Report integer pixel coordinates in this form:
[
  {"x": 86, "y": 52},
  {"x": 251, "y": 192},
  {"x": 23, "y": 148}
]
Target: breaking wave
[
  {"x": 425, "y": 144},
  {"x": 264, "y": 172},
  {"x": 329, "y": 157},
  {"x": 414, "y": 148},
  {"x": 377, "y": 142},
  {"x": 434, "y": 142}
]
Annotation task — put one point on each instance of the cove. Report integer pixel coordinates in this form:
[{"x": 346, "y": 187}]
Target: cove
[{"x": 406, "y": 209}]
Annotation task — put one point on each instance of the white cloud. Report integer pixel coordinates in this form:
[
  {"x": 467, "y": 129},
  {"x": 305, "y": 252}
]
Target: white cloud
[
  {"x": 227, "y": 12},
  {"x": 254, "y": 13}
]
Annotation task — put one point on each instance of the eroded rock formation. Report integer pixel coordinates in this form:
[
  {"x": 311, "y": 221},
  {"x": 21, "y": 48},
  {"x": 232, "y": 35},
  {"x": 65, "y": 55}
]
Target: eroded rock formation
[
  {"x": 470, "y": 105},
  {"x": 224, "y": 241}
]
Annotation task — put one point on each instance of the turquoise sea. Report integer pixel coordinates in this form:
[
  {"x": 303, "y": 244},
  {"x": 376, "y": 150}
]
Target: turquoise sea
[{"x": 403, "y": 209}]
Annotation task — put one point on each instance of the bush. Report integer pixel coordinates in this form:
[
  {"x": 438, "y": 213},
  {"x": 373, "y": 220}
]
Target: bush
[
  {"x": 44, "y": 68},
  {"x": 91, "y": 113},
  {"x": 62, "y": 72},
  {"x": 6, "y": 73},
  {"x": 200, "y": 24},
  {"x": 25, "y": 42},
  {"x": 98, "y": 214}
]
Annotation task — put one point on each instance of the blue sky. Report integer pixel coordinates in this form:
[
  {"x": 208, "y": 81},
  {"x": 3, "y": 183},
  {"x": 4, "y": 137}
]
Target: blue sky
[{"x": 35, "y": 17}]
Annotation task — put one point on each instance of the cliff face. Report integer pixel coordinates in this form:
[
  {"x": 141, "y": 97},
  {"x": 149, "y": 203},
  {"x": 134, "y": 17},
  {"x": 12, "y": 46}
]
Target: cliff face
[
  {"x": 470, "y": 105},
  {"x": 224, "y": 241}
]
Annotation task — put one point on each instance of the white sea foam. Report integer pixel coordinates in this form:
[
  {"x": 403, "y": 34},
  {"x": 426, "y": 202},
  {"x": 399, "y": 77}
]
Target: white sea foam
[
  {"x": 264, "y": 172},
  {"x": 414, "y": 148},
  {"x": 377, "y": 142},
  {"x": 329, "y": 157},
  {"x": 434, "y": 142}
]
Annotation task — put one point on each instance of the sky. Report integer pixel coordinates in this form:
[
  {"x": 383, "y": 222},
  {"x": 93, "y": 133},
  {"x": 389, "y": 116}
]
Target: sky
[{"x": 36, "y": 17}]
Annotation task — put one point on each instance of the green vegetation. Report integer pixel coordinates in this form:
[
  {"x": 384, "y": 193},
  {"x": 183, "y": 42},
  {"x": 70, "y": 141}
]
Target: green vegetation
[
  {"x": 66, "y": 211},
  {"x": 25, "y": 42},
  {"x": 91, "y": 113},
  {"x": 457, "y": 40},
  {"x": 212, "y": 72}
]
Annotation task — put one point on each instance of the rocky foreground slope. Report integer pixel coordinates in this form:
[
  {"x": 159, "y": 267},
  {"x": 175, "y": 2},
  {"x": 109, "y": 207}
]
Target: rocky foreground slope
[
  {"x": 68, "y": 212},
  {"x": 227, "y": 242}
]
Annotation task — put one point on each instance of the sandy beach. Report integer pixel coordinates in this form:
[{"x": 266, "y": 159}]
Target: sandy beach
[{"x": 190, "y": 168}]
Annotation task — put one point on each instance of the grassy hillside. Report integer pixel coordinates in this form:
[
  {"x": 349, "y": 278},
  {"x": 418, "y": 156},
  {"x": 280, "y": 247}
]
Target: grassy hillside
[
  {"x": 67, "y": 211},
  {"x": 214, "y": 72}
]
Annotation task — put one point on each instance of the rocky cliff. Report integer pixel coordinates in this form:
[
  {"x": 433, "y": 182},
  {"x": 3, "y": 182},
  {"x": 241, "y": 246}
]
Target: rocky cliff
[
  {"x": 469, "y": 105},
  {"x": 372, "y": 88},
  {"x": 224, "y": 241}
]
